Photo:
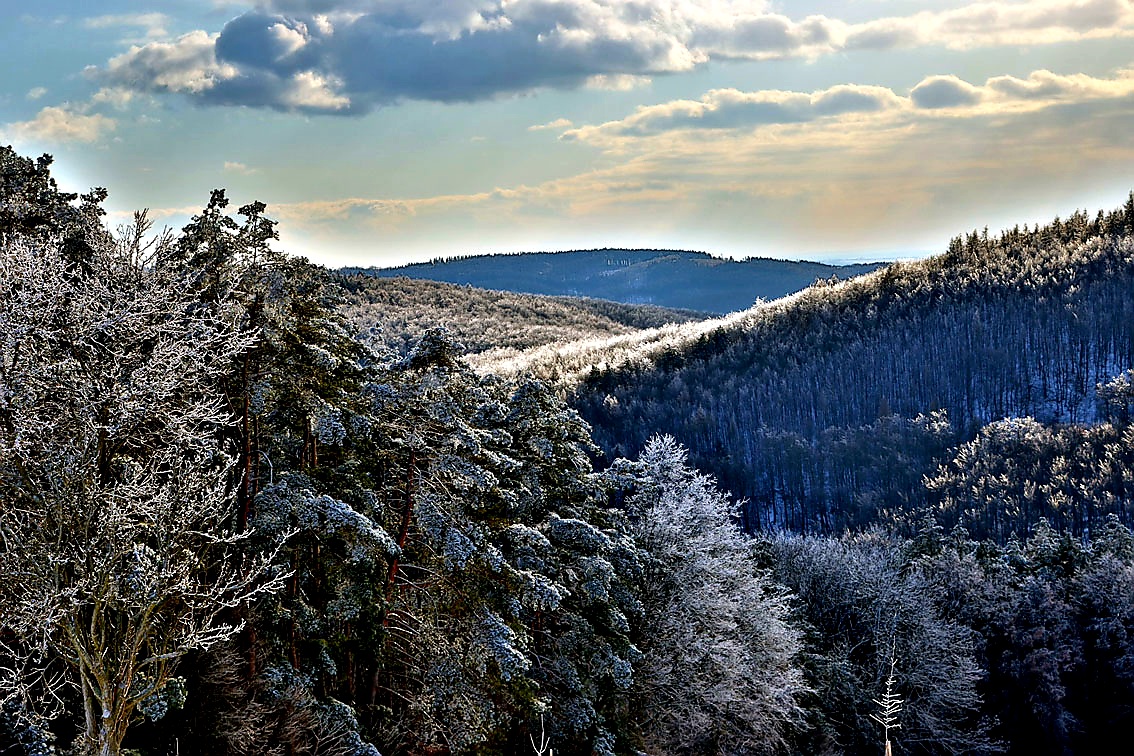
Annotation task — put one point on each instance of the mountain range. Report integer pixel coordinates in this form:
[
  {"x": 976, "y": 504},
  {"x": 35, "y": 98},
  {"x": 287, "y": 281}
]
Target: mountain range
[{"x": 667, "y": 278}]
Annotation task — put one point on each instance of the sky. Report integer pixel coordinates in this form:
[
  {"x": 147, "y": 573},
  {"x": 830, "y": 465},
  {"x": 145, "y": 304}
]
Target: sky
[{"x": 382, "y": 132}]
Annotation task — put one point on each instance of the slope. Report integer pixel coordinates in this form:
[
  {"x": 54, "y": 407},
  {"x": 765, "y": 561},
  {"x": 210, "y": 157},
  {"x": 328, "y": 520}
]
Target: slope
[
  {"x": 825, "y": 409},
  {"x": 396, "y": 312}
]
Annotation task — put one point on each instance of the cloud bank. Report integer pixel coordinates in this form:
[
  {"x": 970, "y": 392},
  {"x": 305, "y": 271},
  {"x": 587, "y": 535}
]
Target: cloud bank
[
  {"x": 757, "y": 172},
  {"x": 945, "y": 95},
  {"x": 349, "y": 56}
]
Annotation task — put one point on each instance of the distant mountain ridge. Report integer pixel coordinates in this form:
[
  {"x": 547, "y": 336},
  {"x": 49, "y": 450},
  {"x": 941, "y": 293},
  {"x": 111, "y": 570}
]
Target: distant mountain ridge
[{"x": 666, "y": 278}]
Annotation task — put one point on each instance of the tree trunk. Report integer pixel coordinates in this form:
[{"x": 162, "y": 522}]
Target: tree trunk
[
  {"x": 403, "y": 531},
  {"x": 89, "y": 715},
  {"x": 106, "y": 728},
  {"x": 392, "y": 573}
]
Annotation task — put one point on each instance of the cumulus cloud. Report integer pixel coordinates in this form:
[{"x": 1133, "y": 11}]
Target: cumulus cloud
[
  {"x": 1045, "y": 85},
  {"x": 348, "y": 56},
  {"x": 944, "y": 92},
  {"x": 998, "y": 23},
  {"x": 733, "y": 109},
  {"x": 116, "y": 97},
  {"x": 308, "y": 90},
  {"x": 767, "y": 36},
  {"x": 186, "y": 65},
  {"x": 36, "y": 93},
  {"x": 60, "y": 124}
]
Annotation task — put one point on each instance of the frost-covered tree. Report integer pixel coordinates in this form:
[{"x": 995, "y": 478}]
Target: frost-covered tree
[
  {"x": 1018, "y": 471},
  {"x": 307, "y": 464},
  {"x": 116, "y": 558},
  {"x": 865, "y": 604},
  {"x": 33, "y": 208},
  {"x": 503, "y": 602},
  {"x": 719, "y": 673}
]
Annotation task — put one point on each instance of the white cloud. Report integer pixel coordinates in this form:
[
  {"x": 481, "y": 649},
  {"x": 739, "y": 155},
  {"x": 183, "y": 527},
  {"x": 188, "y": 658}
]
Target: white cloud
[
  {"x": 238, "y": 168},
  {"x": 116, "y": 97},
  {"x": 733, "y": 109},
  {"x": 1045, "y": 85},
  {"x": 983, "y": 24},
  {"x": 315, "y": 91},
  {"x": 36, "y": 93},
  {"x": 617, "y": 82},
  {"x": 290, "y": 38},
  {"x": 938, "y": 92},
  {"x": 722, "y": 109},
  {"x": 186, "y": 65},
  {"x": 62, "y": 124},
  {"x": 558, "y": 123}
]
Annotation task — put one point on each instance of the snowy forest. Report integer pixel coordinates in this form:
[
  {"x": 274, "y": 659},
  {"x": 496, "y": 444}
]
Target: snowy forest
[{"x": 247, "y": 506}]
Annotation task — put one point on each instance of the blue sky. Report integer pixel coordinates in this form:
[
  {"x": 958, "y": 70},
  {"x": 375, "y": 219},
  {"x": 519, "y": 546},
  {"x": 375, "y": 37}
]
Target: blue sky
[{"x": 386, "y": 131}]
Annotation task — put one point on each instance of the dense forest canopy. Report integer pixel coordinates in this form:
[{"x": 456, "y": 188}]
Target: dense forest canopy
[
  {"x": 824, "y": 410},
  {"x": 233, "y": 523}
]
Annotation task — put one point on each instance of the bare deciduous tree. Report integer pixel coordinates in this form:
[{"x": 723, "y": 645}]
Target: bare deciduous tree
[{"x": 116, "y": 557}]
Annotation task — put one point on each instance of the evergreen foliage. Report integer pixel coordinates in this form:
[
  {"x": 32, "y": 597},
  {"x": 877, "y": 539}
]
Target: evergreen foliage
[{"x": 720, "y": 670}]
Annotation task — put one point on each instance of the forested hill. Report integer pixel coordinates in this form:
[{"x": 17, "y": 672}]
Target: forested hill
[
  {"x": 684, "y": 280},
  {"x": 396, "y": 312},
  {"x": 827, "y": 408}
]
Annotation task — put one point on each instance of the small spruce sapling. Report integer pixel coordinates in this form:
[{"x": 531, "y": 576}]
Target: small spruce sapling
[{"x": 889, "y": 707}]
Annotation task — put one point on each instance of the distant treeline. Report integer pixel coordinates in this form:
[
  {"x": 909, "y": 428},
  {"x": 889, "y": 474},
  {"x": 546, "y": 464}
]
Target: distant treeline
[
  {"x": 693, "y": 281},
  {"x": 396, "y": 312}
]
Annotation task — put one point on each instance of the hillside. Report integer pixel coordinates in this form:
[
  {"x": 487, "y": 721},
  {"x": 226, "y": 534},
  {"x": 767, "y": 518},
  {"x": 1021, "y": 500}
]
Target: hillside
[
  {"x": 825, "y": 409},
  {"x": 396, "y": 312},
  {"x": 677, "y": 279}
]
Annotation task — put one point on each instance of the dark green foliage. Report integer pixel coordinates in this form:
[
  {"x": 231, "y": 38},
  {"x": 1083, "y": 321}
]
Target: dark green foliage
[
  {"x": 402, "y": 483},
  {"x": 32, "y": 207}
]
